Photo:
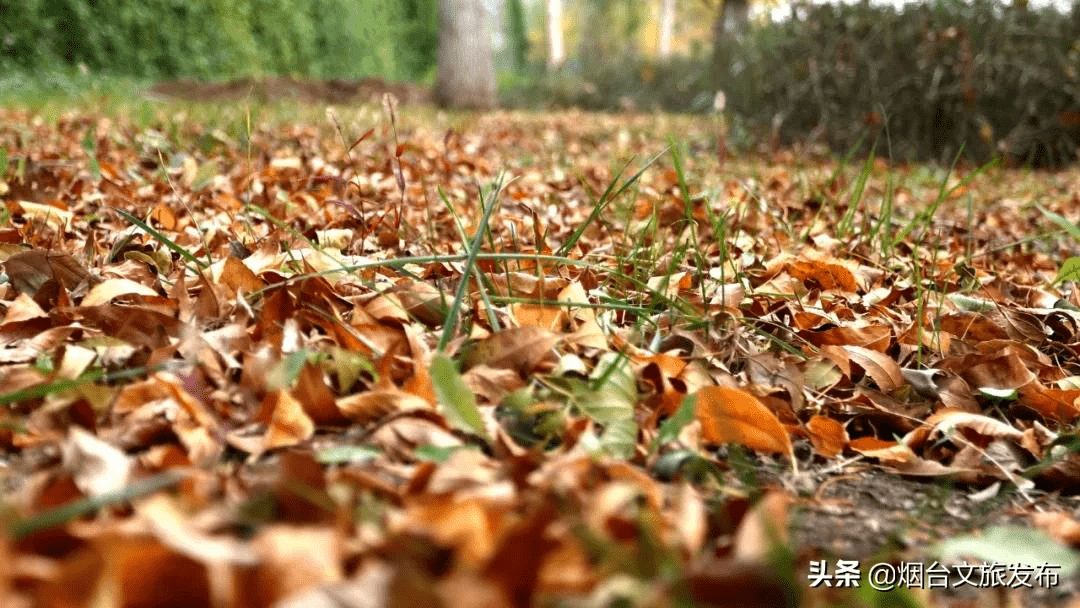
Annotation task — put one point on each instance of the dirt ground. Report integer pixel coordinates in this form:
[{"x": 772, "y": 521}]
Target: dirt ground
[{"x": 865, "y": 514}]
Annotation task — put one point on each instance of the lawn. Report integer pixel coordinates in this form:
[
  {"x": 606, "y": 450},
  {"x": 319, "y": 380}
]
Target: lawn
[{"x": 265, "y": 353}]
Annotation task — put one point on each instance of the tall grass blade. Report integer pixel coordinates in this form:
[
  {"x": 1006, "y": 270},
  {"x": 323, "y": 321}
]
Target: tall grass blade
[{"x": 470, "y": 263}]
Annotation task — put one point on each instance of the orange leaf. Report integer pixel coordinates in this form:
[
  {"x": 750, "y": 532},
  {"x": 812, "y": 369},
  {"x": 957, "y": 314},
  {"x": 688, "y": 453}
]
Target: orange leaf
[
  {"x": 863, "y": 445},
  {"x": 546, "y": 317},
  {"x": 289, "y": 424},
  {"x": 315, "y": 396},
  {"x": 763, "y": 528},
  {"x": 1055, "y": 404},
  {"x": 239, "y": 277},
  {"x": 825, "y": 274},
  {"x": 730, "y": 415},
  {"x": 827, "y": 435}
]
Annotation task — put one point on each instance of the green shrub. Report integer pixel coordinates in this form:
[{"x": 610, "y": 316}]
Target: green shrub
[
  {"x": 418, "y": 45},
  {"x": 946, "y": 76},
  {"x": 518, "y": 39},
  {"x": 936, "y": 78},
  {"x": 221, "y": 38}
]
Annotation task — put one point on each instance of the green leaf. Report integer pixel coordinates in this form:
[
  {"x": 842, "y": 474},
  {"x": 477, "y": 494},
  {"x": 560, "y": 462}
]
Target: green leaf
[
  {"x": 612, "y": 392},
  {"x": 670, "y": 428},
  {"x": 286, "y": 371},
  {"x": 1070, "y": 271},
  {"x": 970, "y": 304},
  {"x": 620, "y": 437},
  {"x": 1010, "y": 545},
  {"x": 1072, "y": 229},
  {"x": 609, "y": 400},
  {"x": 999, "y": 393},
  {"x": 90, "y": 148},
  {"x": 458, "y": 402},
  {"x": 339, "y": 454}
]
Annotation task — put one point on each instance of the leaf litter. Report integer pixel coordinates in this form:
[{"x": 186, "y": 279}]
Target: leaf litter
[{"x": 516, "y": 360}]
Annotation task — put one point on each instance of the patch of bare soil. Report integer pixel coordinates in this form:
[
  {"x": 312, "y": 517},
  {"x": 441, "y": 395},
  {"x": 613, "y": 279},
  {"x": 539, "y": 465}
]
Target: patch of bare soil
[
  {"x": 869, "y": 516},
  {"x": 293, "y": 89}
]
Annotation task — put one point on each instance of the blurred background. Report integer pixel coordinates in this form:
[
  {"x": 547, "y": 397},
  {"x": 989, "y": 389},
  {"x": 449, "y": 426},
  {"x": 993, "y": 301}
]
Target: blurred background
[{"x": 968, "y": 79}]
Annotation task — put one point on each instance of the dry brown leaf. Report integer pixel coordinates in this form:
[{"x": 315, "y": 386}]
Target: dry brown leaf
[
  {"x": 732, "y": 583},
  {"x": 30, "y": 270},
  {"x": 467, "y": 526},
  {"x": 880, "y": 367},
  {"x": 1004, "y": 369},
  {"x": 972, "y": 327},
  {"x": 423, "y": 301},
  {"x": 138, "y": 567},
  {"x": 1051, "y": 403},
  {"x": 239, "y": 278},
  {"x": 552, "y": 318},
  {"x": 374, "y": 404},
  {"x": 764, "y": 528},
  {"x": 291, "y": 559},
  {"x": 97, "y": 467},
  {"x": 164, "y": 217},
  {"x": 975, "y": 427},
  {"x": 316, "y": 397},
  {"x": 875, "y": 337},
  {"x": 689, "y": 519},
  {"x": 491, "y": 384},
  {"x": 289, "y": 424},
  {"x": 823, "y": 274},
  {"x": 387, "y": 307},
  {"x": 48, "y": 214},
  {"x": 105, "y": 291},
  {"x": 1059, "y": 525},
  {"x": 22, "y": 308},
  {"x": 518, "y": 348}
]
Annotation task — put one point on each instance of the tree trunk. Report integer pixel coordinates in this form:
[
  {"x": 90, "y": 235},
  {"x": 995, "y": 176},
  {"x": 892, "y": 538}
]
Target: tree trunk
[
  {"x": 667, "y": 27},
  {"x": 466, "y": 71},
  {"x": 555, "y": 44}
]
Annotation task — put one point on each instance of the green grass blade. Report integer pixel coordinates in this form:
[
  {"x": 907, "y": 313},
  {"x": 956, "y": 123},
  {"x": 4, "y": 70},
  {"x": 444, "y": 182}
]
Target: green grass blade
[
  {"x": 164, "y": 240},
  {"x": 470, "y": 262},
  {"x": 843, "y": 228},
  {"x": 605, "y": 199},
  {"x": 1070, "y": 228},
  {"x": 85, "y": 506},
  {"x": 35, "y": 392}
]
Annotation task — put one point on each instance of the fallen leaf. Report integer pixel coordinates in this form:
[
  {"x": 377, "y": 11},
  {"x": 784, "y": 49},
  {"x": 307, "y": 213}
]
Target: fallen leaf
[
  {"x": 518, "y": 348},
  {"x": 731, "y": 415},
  {"x": 827, "y": 436}
]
